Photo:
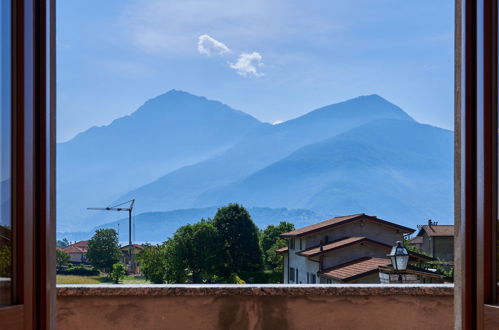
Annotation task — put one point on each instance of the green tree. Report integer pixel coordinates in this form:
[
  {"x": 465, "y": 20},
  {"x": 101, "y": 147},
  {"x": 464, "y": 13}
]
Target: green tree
[
  {"x": 61, "y": 259},
  {"x": 5, "y": 261},
  {"x": 118, "y": 272},
  {"x": 194, "y": 251},
  {"x": 62, "y": 243},
  {"x": 270, "y": 241},
  {"x": 239, "y": 235},
  {"x": 153, "y": 263},
  {"x": 103, "y": 249}
]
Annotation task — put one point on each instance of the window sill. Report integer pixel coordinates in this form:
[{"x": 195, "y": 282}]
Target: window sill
[{"x": 70, "y": 290}]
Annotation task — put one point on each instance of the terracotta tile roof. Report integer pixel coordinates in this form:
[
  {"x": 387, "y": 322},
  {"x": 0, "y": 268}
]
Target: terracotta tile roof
[
  {"x": 437, "y": 230},
  {"x": 81, "y": 245},
  {"x": 282, "y": 250},
  {"x": 340, "y": 221},
  {"x": 416, "y": 240},
  {"x": 73, "y": 249},
  {"x": 355, "y": 269},
  {"x": 316, "y": 250}
]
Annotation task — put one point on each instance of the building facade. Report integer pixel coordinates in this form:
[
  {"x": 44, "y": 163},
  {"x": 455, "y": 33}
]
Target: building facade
[
  {"x": 436, "y": 241},
  {"x": 346, "y": 249}
]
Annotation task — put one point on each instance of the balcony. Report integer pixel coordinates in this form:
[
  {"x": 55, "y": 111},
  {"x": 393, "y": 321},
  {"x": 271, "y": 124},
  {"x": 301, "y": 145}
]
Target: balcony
[{"x": 255, "y": 306}]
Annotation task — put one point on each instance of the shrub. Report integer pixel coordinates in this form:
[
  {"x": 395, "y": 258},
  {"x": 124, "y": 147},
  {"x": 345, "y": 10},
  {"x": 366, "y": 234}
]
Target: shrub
[
  {"x": 79, "y": 270},
  {"x": 118, "y": 272}
]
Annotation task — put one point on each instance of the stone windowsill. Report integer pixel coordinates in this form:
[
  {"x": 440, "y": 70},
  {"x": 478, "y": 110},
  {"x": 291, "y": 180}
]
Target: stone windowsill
[{"x": 69, "y": 290}]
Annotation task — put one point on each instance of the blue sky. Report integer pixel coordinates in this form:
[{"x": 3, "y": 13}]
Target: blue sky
[{"x": 275, "y": 59}]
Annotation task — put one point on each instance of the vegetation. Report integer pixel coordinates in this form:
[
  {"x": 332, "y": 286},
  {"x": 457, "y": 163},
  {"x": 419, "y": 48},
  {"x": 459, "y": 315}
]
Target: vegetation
[
  {"x": 240, "y": 242},
  {"x": 97, "y": 279},
  {"x": 152, "y": 263},
  {"x": 62, "y": 243},
  {"x": 118, "y": 272},
  {"x": 270, "y": 241},
  {"x": 79, "y": 270},
  {"x": 103, "y": 249},
  {"x": 5, "y": 261},
  {"x": 61, "y": 260}
]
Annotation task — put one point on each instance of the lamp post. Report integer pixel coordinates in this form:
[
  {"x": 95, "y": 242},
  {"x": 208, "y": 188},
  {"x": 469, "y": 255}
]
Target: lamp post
[{"x": 400, "y": 258}]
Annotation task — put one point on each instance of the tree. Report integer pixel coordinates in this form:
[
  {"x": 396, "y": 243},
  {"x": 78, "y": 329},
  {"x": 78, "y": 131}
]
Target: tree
[
  {"x": 239, "y": 235},
  {"x": 195, "y": 251},
  {"x": 62, "y": 243},
  {"x": 153, "y": 263},
  {"x": 5, "y": 261},
  {"x": 61, "y": 259},
  {"x": 103, "y": 249},
  {"x": 270, "y": 241},
  {"x": 118, "y": 272}
]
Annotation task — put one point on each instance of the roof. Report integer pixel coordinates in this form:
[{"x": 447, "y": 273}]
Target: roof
[
  {"x": 355, "y": 269},
  {"x": 73, "y": 249},
  {"x": 282, "y": 250},
  {"x": 81, "y": 244},
  {"x": 137, "y": 246},
  {"x": 337, "y": 221},
  {"x": 414, "y": 256},
  {"x": 437, "y": 230},
  {"x": 316, "y": 250},
  {"x": 416, "y": 240}
]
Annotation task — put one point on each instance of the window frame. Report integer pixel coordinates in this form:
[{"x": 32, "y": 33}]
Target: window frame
[{"x": 33, "y": 166}]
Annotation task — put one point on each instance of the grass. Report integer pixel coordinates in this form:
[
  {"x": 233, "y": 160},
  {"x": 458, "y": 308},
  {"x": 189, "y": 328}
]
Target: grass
[{"x": 99, "y": 279}]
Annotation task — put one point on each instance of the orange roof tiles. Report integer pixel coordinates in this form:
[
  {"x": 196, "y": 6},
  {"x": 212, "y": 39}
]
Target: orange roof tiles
[
  {"x": 355, "y": 269},
  {"x": 282, "y": 250},
  {"x": 316, "y": 250},
  {"x": 438, "y": 230},
  {"x": 339, "y": 221}
]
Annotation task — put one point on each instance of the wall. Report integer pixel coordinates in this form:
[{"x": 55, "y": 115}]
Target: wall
[
  {"x": 444, "y": 248},
  {"x": 321, "y": 307},
  {"x": 353, "y": 252},
  {"x": 361, "y": 228}
]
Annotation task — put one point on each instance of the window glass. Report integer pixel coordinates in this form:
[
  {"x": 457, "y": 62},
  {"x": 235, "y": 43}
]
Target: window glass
[{"x": 5, "y": 157}]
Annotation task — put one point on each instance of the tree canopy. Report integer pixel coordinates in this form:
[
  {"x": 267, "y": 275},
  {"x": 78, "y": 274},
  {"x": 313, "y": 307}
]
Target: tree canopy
[
  {"x": 239, "y": 236},
  {"x": 103, "y": 249},
  {"x": 270, "y": 241}
]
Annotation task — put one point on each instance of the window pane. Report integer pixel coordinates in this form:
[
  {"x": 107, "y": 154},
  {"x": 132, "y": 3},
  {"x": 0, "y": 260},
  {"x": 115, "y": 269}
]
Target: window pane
[{"x": 5, "y": 157}]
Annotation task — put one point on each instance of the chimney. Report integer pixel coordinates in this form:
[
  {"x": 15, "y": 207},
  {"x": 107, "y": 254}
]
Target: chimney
[{"x": 429, "y": 222}]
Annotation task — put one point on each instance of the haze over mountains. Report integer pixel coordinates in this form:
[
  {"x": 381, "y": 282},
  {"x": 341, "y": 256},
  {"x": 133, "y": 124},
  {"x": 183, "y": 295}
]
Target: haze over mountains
[{"x": 181, "y": 152}]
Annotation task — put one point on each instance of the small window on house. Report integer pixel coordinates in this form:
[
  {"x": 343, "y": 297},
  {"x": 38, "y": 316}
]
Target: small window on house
[
  {"x": 291, "y": 274},
  {"x": 297, "y": 278},
  {"x": 313, "y": 279},
  {"x": 291, "y": 243},
  {"x": 301, "y": 244}
]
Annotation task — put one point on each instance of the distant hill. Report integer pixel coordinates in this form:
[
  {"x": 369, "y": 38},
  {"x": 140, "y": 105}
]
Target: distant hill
[
  {"x": 399, "y": 170},
  {"x": 182, "y": 155},
  {"x": 155, "y": 227},
  {"x": 170, "y": 131},
  {"x": 261, "y": 147}
]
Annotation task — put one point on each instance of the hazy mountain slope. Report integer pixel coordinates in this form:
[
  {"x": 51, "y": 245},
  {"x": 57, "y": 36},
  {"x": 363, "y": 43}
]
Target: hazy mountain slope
[
  {"x": 261, "y": 147},
  {"x": 400, "y": 170},
  {"x": 167, "y": 132},
  {"x": 158, "y": 226}
]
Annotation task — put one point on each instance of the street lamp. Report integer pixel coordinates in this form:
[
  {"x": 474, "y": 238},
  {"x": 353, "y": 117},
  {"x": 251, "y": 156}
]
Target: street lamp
[{"x": 400, "y": 258}]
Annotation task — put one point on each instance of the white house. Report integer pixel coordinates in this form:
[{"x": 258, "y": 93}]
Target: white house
[{"x": 346, "y": 249}]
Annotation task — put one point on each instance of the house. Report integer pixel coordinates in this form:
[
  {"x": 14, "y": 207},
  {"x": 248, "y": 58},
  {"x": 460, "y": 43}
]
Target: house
[
  {"x": 436, "y": 241},
  {"x": 77, "y": 251},
  {"x": 345, "y": 249},
  {"x": 128, "y": 257}
]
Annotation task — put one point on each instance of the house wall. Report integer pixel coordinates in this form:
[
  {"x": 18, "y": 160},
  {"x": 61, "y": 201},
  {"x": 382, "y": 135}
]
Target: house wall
[
  {"x": 76, "y": 257},
  {"x": 304, "y": 266},
  {"x": 356, "y": 308},
  {"x": 285, "y": 268},
  {"x": 353, "y": 252},
  {"x": 427, "y": 246},
  {"x": 360, "y": 228},
  {"x": 444, "y": 248}
]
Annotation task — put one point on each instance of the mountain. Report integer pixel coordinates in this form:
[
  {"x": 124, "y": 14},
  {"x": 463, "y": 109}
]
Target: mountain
[
  {"x": 396, "y": 169},
  {"x": 155, "y": 227},
  {"x": 263, "y": 146},
  {"x": 167, "y": 132}
]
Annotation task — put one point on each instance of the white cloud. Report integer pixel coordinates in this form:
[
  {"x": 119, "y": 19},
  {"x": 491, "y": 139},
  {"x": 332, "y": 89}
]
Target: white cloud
[
  {"x": 209, "y": 46},
  {"x": 277, "y": 122},
  {"x": 247, "y": 64}
]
